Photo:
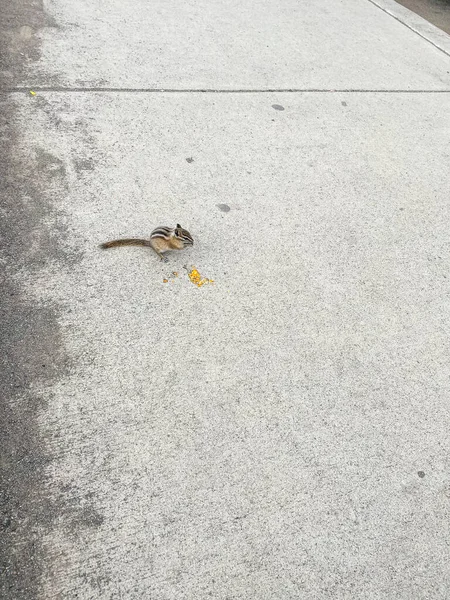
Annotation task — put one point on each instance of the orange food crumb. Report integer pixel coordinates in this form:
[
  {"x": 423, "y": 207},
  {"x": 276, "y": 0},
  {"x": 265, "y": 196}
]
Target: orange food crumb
[
  {"x": 165, "y": 280},
  {"x": 197, "y": 279}
]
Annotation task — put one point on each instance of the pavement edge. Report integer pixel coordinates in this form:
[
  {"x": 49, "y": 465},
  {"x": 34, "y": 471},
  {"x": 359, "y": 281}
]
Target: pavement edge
[{"x": 432, "y": 34}]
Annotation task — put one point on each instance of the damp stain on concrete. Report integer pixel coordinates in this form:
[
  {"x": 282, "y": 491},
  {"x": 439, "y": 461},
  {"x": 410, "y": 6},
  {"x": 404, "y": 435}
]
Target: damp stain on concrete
[{"x": 33, "y": 356}]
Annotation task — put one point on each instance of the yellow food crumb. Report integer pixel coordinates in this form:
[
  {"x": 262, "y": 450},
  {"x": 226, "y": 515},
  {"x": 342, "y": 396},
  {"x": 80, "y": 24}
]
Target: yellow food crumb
[
  {"x": 32, "y": 93},
  {"x": 175, "y": 274},
  {"x": 165, "y": 280},
  {"x": 197, "y": 279}
]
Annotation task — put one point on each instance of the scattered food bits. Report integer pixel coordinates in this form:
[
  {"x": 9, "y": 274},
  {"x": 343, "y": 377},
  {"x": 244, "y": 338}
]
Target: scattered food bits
[
  {"x": 171, "y": 278},
  {"x": 197, "y": 279},
  {"x": 32, "y": 93},
  {"x": 193, "y": 275}
]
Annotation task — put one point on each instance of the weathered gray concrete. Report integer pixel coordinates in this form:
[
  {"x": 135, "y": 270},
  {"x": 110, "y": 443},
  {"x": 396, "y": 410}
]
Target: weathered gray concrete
[
  {"x": 233, "y": 44},
  {"x": 282, "y": 433}
]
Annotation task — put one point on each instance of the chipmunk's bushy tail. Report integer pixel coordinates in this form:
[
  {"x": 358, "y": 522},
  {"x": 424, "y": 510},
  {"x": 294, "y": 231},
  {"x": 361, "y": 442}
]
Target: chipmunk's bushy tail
[{"x": 126, "y": 242}]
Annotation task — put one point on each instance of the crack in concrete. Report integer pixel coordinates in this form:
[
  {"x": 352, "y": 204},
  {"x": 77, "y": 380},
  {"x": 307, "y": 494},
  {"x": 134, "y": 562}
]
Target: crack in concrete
[{"x": 78, "y": 90}]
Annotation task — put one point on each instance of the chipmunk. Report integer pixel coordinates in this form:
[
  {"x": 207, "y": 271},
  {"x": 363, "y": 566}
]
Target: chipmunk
[{"x": 162, "y": 239}]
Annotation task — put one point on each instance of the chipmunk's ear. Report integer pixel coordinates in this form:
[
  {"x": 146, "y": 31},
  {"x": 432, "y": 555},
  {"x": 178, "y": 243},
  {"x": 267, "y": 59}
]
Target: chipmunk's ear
[{"x": 179, "y": 226}]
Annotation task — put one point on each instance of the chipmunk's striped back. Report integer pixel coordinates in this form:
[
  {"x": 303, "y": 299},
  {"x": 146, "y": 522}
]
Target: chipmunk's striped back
[{"x": 162, "y": 232}]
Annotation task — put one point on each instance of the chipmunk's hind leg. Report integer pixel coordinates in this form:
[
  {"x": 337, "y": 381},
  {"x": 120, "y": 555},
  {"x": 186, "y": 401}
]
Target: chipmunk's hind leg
[
  {"x": 161, "y": 255},
  {"x": 159, "y": 247}
]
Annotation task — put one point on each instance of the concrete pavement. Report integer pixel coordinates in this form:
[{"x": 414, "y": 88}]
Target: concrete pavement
[{"x": 282, "y": 433}]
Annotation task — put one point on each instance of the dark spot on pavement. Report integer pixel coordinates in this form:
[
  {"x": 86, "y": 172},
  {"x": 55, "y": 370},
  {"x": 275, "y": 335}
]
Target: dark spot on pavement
[
  {"x": 190, "y": 160},
  {"x": 53, "y": 165},
  {"x": 277, "y": 107},
  {"x": 90, "y": 517},
  {"x": 344, "y": 103},
  {"x": 223, "y": 207},
  {"x": 421, "y": 474},
  {"x": 84, "y": 164}
]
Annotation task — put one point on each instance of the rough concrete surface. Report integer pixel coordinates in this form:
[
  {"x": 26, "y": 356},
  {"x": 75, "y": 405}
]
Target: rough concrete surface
[
  {"x": 233, "y": 44},
  {"x": 282, "y": 433}
]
